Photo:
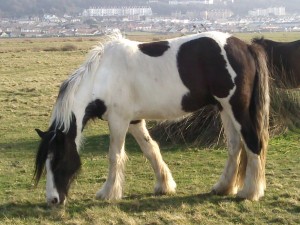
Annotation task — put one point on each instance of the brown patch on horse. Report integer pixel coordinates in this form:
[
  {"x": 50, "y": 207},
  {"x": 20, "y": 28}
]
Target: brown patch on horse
[
  {"x": 202, "y": 69},
  {"x": 154, "y": 49},
  {"x": 95, "y": 109}
]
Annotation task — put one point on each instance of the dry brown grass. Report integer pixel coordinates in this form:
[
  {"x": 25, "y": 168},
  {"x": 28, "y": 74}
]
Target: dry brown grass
[{"x": 204, "y": 126}]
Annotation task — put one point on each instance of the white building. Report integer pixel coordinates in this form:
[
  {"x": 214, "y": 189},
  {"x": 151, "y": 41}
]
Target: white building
[
  {"x": 225, "y": 2},
  {"x": 277, "y": 11},
  {"x": 216, "y": 14},
  {"x": 206, "y": 2},
  {"x": 118, "y": 11}
]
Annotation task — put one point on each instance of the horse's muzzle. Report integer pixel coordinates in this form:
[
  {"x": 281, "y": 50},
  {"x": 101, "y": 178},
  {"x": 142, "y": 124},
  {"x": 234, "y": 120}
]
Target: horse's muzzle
[{"x": 55, "y": 201}]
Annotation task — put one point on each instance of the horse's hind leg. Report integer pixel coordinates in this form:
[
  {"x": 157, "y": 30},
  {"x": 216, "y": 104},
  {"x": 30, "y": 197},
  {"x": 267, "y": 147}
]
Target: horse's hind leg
[
  {"x": 227, "y": 183},
  {"x": 113, "y": 187},
  {"x": 165, "y": 183},
  {"x": 255, "y": 183},
  {"x": 253, "y": 175}
]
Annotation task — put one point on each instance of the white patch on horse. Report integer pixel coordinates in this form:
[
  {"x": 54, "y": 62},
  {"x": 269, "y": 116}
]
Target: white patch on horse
[
  {"x": 158, "y": 74},
  {"x": 51, "y": 191}
]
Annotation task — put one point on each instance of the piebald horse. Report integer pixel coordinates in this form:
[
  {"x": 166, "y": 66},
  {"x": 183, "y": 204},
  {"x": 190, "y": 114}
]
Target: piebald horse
[
  {"x": 283, "y": 60},
  {"x": 126, "y": 82}
]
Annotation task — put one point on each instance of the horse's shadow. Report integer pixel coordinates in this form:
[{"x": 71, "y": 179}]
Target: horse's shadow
[
  {"x": 154, "y": 203},
  {"x": 130, "y": 204}
]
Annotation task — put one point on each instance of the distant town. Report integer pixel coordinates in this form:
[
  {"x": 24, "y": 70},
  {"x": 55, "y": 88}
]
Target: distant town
[{"x": 95, "y": 21}]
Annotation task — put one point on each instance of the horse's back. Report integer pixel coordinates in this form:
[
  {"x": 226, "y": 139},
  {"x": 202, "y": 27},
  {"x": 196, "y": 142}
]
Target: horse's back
[
  {"x": 162, "y": 80},
  {"x": 146, "y": 86}
]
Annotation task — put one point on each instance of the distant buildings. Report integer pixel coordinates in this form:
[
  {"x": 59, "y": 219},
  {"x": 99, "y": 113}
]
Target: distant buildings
[
  {"x": 225, "y": 2},
  {"x": 277, "y": 11},
  {"x": 207, "y": 2},
  {"x": 98, "y": 20},
  {"x": 117, "y": 11},
  {"x": 216, "y": 14}
]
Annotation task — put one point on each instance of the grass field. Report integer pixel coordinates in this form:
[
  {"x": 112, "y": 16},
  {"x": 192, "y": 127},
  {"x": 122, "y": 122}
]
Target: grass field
[{"x": 31, "y": 71}]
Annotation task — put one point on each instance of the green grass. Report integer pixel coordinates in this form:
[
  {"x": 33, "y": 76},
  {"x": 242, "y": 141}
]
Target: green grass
[{"x": 30, "y": 78}]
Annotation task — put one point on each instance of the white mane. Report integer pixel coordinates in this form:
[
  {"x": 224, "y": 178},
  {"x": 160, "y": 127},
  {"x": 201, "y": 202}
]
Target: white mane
[{"x": 62, "y": 112}]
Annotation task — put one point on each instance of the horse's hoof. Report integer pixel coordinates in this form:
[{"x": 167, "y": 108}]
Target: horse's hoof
[
  {"x": 165, "y": 189},
  {"x": 108, "y": 196},
  {"x": 252, "y": 196}
]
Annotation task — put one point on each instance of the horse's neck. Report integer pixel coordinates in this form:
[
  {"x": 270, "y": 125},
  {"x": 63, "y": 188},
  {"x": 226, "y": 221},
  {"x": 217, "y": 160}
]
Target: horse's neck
[{"x": 82, "y": 98}]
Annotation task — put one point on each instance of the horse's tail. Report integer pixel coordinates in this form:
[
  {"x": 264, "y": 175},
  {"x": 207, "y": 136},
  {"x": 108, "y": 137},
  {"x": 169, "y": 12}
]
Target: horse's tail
[
  {"x": 259, "y": 109},
  {"x": 261, "y": 100}
]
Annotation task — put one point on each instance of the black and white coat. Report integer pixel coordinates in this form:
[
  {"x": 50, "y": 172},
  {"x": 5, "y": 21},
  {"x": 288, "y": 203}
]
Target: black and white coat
[{"x": 126, "y": 82}]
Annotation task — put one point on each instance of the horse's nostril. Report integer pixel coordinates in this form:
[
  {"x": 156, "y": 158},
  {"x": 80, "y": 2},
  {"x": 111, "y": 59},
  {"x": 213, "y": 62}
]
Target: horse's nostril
[{"x": 54, "y": 201}]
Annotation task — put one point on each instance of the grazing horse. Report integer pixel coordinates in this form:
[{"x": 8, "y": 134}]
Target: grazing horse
[
  {"x": 126, "y": 82},
  {"x": 284, "y": 61}
]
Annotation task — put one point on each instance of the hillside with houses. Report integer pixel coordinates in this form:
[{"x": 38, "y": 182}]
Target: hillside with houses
[
  {"x": 181, "y": 17},
  {"x": 21, "y": 8}
]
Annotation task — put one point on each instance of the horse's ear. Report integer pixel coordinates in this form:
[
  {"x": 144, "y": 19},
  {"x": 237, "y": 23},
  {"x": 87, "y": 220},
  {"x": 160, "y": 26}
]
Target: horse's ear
[
  {"x": 40, "y": 133},
  {"x": 59, "y": 134}
]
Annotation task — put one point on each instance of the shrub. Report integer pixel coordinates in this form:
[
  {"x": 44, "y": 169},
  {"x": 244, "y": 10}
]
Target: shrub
[
  {"x": 66, "y": 47},
  {"x": 69, "y": 47},
  {"x": 51, "y": 49}
]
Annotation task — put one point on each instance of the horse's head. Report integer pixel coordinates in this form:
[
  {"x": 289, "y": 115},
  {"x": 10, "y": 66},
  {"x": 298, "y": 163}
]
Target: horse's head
[
  {"x": 267, "y": 44},
  {"x": 58, "y": 153},
  {"x": 260, "y": 41}
]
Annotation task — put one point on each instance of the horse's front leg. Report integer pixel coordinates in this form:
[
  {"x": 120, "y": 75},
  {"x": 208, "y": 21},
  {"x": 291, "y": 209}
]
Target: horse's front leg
[
  {"x": 113, "y": 187},
  {"x": 165, "y": 183}
]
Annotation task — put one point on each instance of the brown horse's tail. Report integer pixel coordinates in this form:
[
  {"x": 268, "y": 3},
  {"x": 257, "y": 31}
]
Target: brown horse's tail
[{"x": 259, "y": 110}]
